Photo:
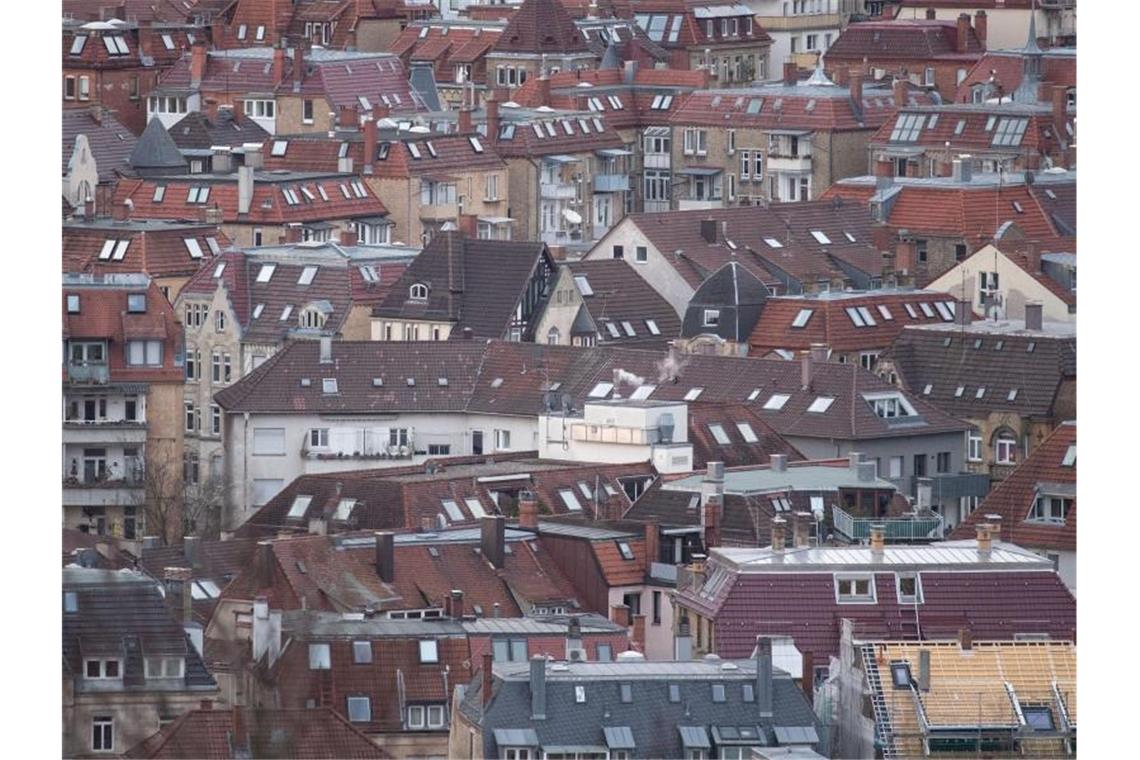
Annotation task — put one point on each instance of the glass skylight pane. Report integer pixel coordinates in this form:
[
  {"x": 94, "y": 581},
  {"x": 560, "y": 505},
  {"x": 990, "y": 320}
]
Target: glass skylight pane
[
  {"x": 221, "y": 267},
  {"x": 601, "y": 390},
  {"x": 718, "y": 433},
  {"x": 926, "y": 309},
  {"x": 307, "y": 275},
  {"x": 776, "y": 401},
  {"x": 885, "y": 312},
  {"x": 108, "y": 246},
  {"x": 266, "y": 272},
  {"x": 474, "y": 507},
  {"x": 78, "y": 43},
  {"x": 583, "y": 285},
  {"x": 159, "y": 192},
  {"x": 570, "y": 499},
  {"x": 122, "y": 245},
  {"x": 910, "y": 310},
  {"x": 820, "y": 238},
  {"x": 693, "y": 394},
  {"x": 866, "y": 314},
  {"x": 652, "y": 327},
  {"x": 1070, "y": 456},
  {"x": 613, "y": 330},
  {"x": 193, "y": 248},
  {"x": 1012, "y": 396},
  {"x": 754, "y": 394},
  {"x": 855, "y": 316},
  {"x": 344, "y": 509},
  {"x": 773, "y": 243},
  {"x": 746, "y": 432},
  {"x": 642, "y": 392},
  {"x": 214, "y": 247},
  {"x": 300, "y": 504},
  {"x": 629, "y": 331},
  {"x": 257, "y": 310},
  {"x": 821, "y": 404},
  {"x": 452, "y": 510},
  {"x": 802, "y": 318},
  {"x": 944, "y": 312}
]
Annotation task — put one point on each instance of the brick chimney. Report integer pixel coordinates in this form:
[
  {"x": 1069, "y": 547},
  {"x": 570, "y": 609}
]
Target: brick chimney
[
  {"x": 348, "y": 238},
  {"x": 965, "y": 638},
  {"x": 1060, "y": 102},
  {"x": 1033, "y": 315},
  {"x": 300, "y": 47},
  {"x": 639, "y": 632},
  {"x": 801, "y": 529},
  {"x": 855, "y": 84},
  {"x": 712, "y": 510},
  {"x": 1033, "y": 257},
  {"x": 931, "y": 14},
  {"x": 912, "y": 168},
  {"x": 905, "y": 256},
  {"x": 468, "y": 224},
  {"x": 347, "y": 117},
  {"x": 963, "y": 32},
  {"x": 488, "y": 677},
  {"x": 791, "y": 73},
  {"x": 544, "y": 90},
  {"x": 120, "y": 212},
  {"x": 652, "y": 546},
  {"x": 981, "y": 26},
  {"x": 386, "y": 556},
  {"x": 884, "y": 168},
  {"x": 278, "y": 64},
  {"x": 293, "y": 233},
  {"x": 619, "y": 613},
  {"x": 985, "y": 541},
  {"x": 898, "y": 92},
  {"x": 370, "y": 144},
  {"x": 465, "y": 126},
  {"x": 779, "y": 525},
  {"x": 878, "y": 539},
  {"x": 528, "y": 510},
  {"x": 491, "y": 104},
  {"x": 493, "y": 539},
  {"x": 197, "y": 62},
  {"x": 456, "y": 602}
]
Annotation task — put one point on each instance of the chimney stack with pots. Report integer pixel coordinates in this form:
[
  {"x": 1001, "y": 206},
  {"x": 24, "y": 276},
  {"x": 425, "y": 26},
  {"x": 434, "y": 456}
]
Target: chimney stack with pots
[
  {"x": 491, "y": 105},
  {"x": 855, "y": 84},
  {"x": 801, "y": 529},
  {"x": 981, "y": 26},
  {"x": 652, "y": 546},
  {"x": 963, "y": 32},
  {"x": 370, "y": 143},
  {"x": 791, "y": 73},
  {"x": 197, "y": 62},
  {"x": 278, "y": 64},
  {"x": 985, "y": 541},
  {"x": 878, "y": 539}
]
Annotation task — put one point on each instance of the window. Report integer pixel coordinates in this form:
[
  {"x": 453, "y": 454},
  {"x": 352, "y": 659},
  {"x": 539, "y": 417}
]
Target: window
[
  {"x": 144, "y": 353},
  {"x": 359, "y": 709},
  {"x": 656, "y": 603},
  {"x": 908, "y": 586},
  {"x": 103, "y": 669},
  {"x": 943, "y": 462},
  {"x": 674, "y": 692},
  {"x": 570, "y": 499},
  {"x": 215, "y": 419},
  {"x": 416, "y": 718},
  {"x": 1038, "y": 717},
  {"x": 718, "y": 434},
  {"x": 854, "y": 589},
  {"x": 580, "y": 694},
  {"x": 718, "y": 692},
  {"x": 103, "y": 733},
  {"x": 418, "y": 292},
  {"x": 711, "y": 317},
  {"x": 268, "y": 441},
  {"x": 1070, "y": 458},
  {"x": 974, "y": 446},
  {"x": 821, "y": 404},
  {"x": 502, "y": 440},
  {"x": 1051, "y": 509},
  {"x": 900, "y": 675},
  {"x": 84, "y": 88},
  {"x": 163, "y": 667},
  {"x": 746, "y": 432},
  {"x": 867, "y": 360},
  {"x": 776, "y": 401},
  {"x": 604, "y": 653},
  {"x": 319, "y": 658},
  {"x": 1005, "y": 448},
  {"x": 429, "y": 650},
  {"x": 895, "y": 468}
]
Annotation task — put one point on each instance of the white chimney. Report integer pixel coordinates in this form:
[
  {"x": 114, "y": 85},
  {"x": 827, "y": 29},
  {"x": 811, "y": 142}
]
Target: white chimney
[{"x": 245, "y": 189}]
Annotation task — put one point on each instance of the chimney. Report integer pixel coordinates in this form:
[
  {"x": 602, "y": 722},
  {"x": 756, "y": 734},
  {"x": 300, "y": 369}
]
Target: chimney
[
  {"x": 619, "y": 613},
  {"x": 538, "y": 687},
  {"x": 963, "y": 312},
  {"x": 369, "y": 145},
  {"x": 221, "y": 162},
  {"x": 278, "y": 64},
  {"x": 801, "y": 529},
  {"x": 791, "y": 73},
  {"x": 807, "y": 676},
  {"x": 265, "y": 564},
  {"x": 639, "y": 632},
  {"x": 197, "y": 62},
  {"x": 924, "y": 670},
  {"x": 318, "y": 526},
  {"x": 89, "y": 209},
  {"x": 855, "y": 84},
  {"x": 995, "y": 525},
  {"x": 712, "y": 486},
  {"x": 245, "y": 189},
  {"x": 488, "y": 677},
  {"x": 905, "y": 256},
  {"x": 981, "y": 26},
  {"x": 1060, "y": 101},
  {"x": 985, "y": 542},
  {"x": 491, "y": 104},
  {"x": 965, "y": 639},
  {"x": 805, "y": 370},
  {"x": 544, "y": 90},
  {"x": 300, "y": 47},
  {"x": 347, "y": 118},
  {"x": 190, "y": 549},
  {"x": 266, "y": 634},
  {"x": 496, "y": 610},
  {"x": 866, "y": 472},
  {"x": 931, "y": 14},
  {"x": 652, "y": 546},
  {"x": 708, "y": 230},
  {"x": 898, "y": 92},
  {"x": 764, "y": 686},
  {"x": 878, "y": 539},
  {"x": 348, "y": 238},
  {"x": 1033, "y": 315},
  {"x": 494, "y": 539},
  {"x": 912, "y": 168},
  {"x": 711, "y": 514},
  {"x": 292, "y": 233},
  {"x": 819, "y": 353},
  {"x": 778, "y": 462},
  {"x": 528, "y": 510},
  {"x": 778, "y": 541},
  {"x": 1033, "y": 256},
  {"x": 457, "y": 604},
  {"x": 326, "y": 349},
  {"x": 386, "y": 556},
  {"x": 963, "y": 32},
  {"x": 466, "y": 127}
]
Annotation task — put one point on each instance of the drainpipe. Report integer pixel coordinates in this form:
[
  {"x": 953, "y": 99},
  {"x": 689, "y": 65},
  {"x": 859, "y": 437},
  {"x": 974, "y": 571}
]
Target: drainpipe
[{"x": 245, "y": 461}]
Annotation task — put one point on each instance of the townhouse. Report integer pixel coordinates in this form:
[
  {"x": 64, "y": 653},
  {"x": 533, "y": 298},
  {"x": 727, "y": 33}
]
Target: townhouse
[
  {"x": 772, "y": 142},
  {"x": 1012, "y": 381},
  {"x": 920, "y": 599},
  {"x": 96, "y": 147},
  {"x": 1036, "y": 505},
  {"x": 474, "y": 398},
  {"x": 1013, "y": 74},
  {"x": 1005, "y": 21},
  {"x": 244, "y": 306},
  {"x": 928, "y": 52},
  {"x": 122, "y": 444},
  {"x": 169, "y": 252},
  {"x": 340, "y": 26},
  {"x": 790, "y": 248},
  {"x": 129, "y": 668},
  {"x": 939, "y": 221},
  {"x": 803, "y": 30},
  {"x": 540, "y": 38},
  {"x": 464, "y": 288}
]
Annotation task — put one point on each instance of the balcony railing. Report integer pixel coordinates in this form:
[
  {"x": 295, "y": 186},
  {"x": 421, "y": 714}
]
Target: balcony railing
[
  {"x": 552, "y": 191},
  {"x": 800, "y": 22},
  {"x": 88, "y": 372},
  {"x": 799, "y": 163},
  {"x": 439, "y": 212},
  {"x": 917, "y": 528},
  {"x": 611, "y": 183}
]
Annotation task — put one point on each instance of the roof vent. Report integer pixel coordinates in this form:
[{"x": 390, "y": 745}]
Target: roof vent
[
  {"x": 632, "y": 656},
  {"x": 377, "y": 382},
  {"x": 306, "y": 382}
]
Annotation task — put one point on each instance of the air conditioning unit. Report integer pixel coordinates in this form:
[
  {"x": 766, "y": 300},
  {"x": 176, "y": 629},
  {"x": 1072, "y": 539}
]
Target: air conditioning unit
[{"x": 576, "y": 655}]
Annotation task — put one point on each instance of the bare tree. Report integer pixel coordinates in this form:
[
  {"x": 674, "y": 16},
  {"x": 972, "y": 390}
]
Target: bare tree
[
  {"x": 202, "y": 507},
  {"x": 163, "y": 499}
]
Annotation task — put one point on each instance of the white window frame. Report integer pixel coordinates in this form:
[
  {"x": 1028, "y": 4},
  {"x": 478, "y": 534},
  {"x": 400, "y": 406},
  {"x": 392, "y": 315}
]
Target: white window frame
[
  {"x": 846, "y": 580},
  {"x": 164, "y": 664},
  {"x": 320, "y": 658},
  {"x": 107, "y": 724},
  {"x": 917, "y": 597},
  {"x": 429, "y": 651}
]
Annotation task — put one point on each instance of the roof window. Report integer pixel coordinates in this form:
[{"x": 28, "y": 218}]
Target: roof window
[
  {"x": 718, "y": 433},
  {"x": 910, "y": 310},
  {"x": 328, "y": 385},
  {"x": 821, "y": 404},
  {"x": 773, "y": 243},
  {"x": 802, "y": 318},
  {"x": 601, "y": 390},
  {"x": 266, "y": 272},
  {"x": 746, "y": 432},
  {"x": 1012, "y": 395},
  {"x": 307, "y": 275},
  {"x": 286, "y": 311},
  {"x": 624, "y": 550},
  {"x": 136, "y": 303},
  {"x": 300, "y": 505},
  {"x": 279, "y": 147},
  {"x": 651, "y": 325},
  {"x": 693, "y": 394},
  {"x": 583, "y": 285},
  {"x": 926, "y": 309},
  {"x": 820, "y": 238},
  {"x": 776, "y": 401},
  {"x": 642, "y": 392},
  {"x": 570, "y": 499},
  {"x": 1070, "y": 458}
]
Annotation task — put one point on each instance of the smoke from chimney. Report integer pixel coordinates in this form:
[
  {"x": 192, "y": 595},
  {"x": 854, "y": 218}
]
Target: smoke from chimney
[{"x": 670, "y": 367}]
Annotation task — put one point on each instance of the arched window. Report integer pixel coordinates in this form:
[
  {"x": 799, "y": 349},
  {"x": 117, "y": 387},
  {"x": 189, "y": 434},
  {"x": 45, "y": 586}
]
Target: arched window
[
  {"x": 419, "y": 292},
  {"x": 1005, "y": 447},
  {"x": 553, "y": 336}
]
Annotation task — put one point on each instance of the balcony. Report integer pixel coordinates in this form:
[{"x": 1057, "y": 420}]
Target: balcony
[
  {"x": 88, "y": 373},
  {"x": 800, "y": 23},
  {"x": 789, "y": 164},
  {"x": 104, "y": 431},
  {"x": 103, "y": 493},
  {"x": 552, "y": 191},
  {"x": 928, "y": 527},
  {"x": 439, "y": 212},
  {"x": 945, "y": 488},
  {"x": 688, "y": 204},
  {"x": 611, "y": 183},
  {"x": 658, "y": 161}
]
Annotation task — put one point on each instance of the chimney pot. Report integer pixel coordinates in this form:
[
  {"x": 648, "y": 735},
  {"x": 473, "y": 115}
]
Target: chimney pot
[
  {"x": 981, "y": 26},
  {"x": 878, "y": 538},
  {"x": 985, "y": 542},
  {"x": 963, "y": 32},
  {"x": 778, "y": 462},
  {"x": 791, "y": 73}
]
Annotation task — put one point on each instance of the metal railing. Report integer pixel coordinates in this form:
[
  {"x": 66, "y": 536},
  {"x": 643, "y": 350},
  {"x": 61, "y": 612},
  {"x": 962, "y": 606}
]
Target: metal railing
[
  {"x": 88, "y": 372},
  {"x": 917, "y": 528}
]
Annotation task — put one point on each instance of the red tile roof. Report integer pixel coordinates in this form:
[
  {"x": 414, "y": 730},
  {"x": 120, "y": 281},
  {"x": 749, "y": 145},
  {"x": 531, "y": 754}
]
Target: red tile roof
[
  {"x": 541, "y": 26},
  {"x": 1013, "y": 498},
  {"x": 111, "y": 143},
  {"x": 619, "y": 295},
  {"x": 739, "y": 451},
  {"x": 209, "y": 734},
  {"x": 917, "y": 39},
  {"x": 1007, "y": 68},
  {"x": 692, "y": 31},
  {"x": 964, "y": 130},
  {"x": 156, "y": 248},
  {"x": 831, "y": 323}
]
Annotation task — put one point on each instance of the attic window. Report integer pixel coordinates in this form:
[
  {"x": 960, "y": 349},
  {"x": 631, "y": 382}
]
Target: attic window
[
  {"x": 475, "y": 144},
  {"x": 944, "y": 311},
  {"x": 198, "y": 195},
  {"x": 266, "y": 272},
  {"x": 885, "y": 312},
  {"x": 414, "y": 150},
  {"x": 1070, "y": 458},
  {"x": 431, "y": 148},
  {"x": 1012, "y": 395},
  {"x": 418, "y": 292},
  {"x": 583, "y": 285},
  {"x": 300, "y": 506},
  {"x": 820, "y": 238},
  {"x": 570, "y": 499},
  {"x": 693, "y": 394},
  {"x": 601, "y": 390},
  {"x": 624, "y": 550},
  {"x": 279, "y": 147},
  {"x": 849, "y": 236},
  {"x": 755, "y": 394},
  {"x": 192, "y": 247},
  {"x": 241, "y": 32},
  {"x": 344, "y": 509},
  {"x": 429, "y": 650},
  {"x": 889, "y": 405},
  {"x": 802, "y": 318},
  {"x": 910, "y": 310},
  {"x": 441, "y": 382},
  {"x": 136, "y": 303},
  {"x": 776, "y": 402},
  {"x": 260, "y": 32},
  {"x": 711, "y": 317},
  {"x": 72, "y": 303},
  {"x": 612, "y": 328},
  {"x": 821, "y": 404},
  {"x": 328, "y": 385},
  {"x": 116, "y": 45},
  {"x": 452, "y": 509},
  {"x": 1017, "y": 207},
  {"x": 959, "y": 391},
  {"x": 642, "y": 392},
  {"x": 1032, "y": 345},
  {"x": 1038, "y": 717},
  {"x": 580, "y": 694},
  {"x": 746, "y": 432},
  {"x": 307, "y": 275},
  {"x": 718, "y": 692},
  {"x": 257, "y": 310},
  {"x": 629, "y": 331},
  {"x": 718, "y": 433},
  {"x": 78, "y": 43},
  {"x": 362, "y": 652},
  {"x": 926, "y": 309},
  {"x": 900, "y": 675},
  {"x": 70, "y": 601},
  {"x": 926, "y": 391},
  {"x": 159, "y": 192},
  {"x": 475, "y": 507},
  {"x": 773, "y": 243},
  {"x": 652, "y": 327},
  {"x": 286, "y": 311},
  {"x": 213, "y": 244}
]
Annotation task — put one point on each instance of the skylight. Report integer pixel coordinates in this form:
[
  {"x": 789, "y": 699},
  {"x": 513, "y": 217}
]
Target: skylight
[
  {"x": 1012, "y": 395},
  {"x": 907, "y": 127},
  {"x": 856, "y": 316},
  {"x": 328, "y": 385},
  {"x": 821, "y": 404},
  {"x": 279, "y": 147},
  {"x": 307, "y": 275},
  {"x": 78, "y": 43},
  {"x": 651, "y": 325},
  {"x": 746, "y": 432},
  {"x": 959, "y": 391},
  {"x": 944, "y": 311},
  {"x": 286, "y": 311},
  {"x": 570, "y": 499},
  {"x": 629, "y": 331},
  {"x": 257, "y": 310},
  {"x": 212, "y": 242},
  {"x": 820, "y": 238},
  {"x": 344, "y": 509},
  {"x": 452, "y": 510},
  {"x": 773, "y": 243},
  {"x": 866, "y": 314},
  {"x": 626, "y": 553},
  {"x": 885, "y": 312},
  {"x": 926, "y": 309},
  {"x": 475, "y": 507},
  {"x": 776, "y": 401},
  {"x": 300, "y": 504},
  {"x": 926, "y": 391},
  {"x": 754, "y": 394},
  {"x": 910, "y": 310},
  {"x": 108, "y": 247},
  {"x": 584, "y": 487},
  {"x": 122, "y": 245},
  {"x": 889, "y": 405},
  {"x": 601, "y": 390},
  {"x": 802, "y": 318},
  {"x": 221, "y": 267},
  {"x": 583, "y": 285},
  {"x": 718, "y": 433},
  {"x": 266, "y": 272},
  {"x": 159, "y": 193},
  {"x": 642, "y": 392},
  {"x": 612, "y": 328},
  {"x": 475, "y": 144},
  {"x": 693, "y": 394},
  {"x": 1070, "y": 456},
  {"x": 849, "y": 236}
]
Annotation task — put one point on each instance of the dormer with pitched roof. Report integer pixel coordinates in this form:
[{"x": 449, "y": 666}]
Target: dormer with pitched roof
[{"x": 540, "y": 38}]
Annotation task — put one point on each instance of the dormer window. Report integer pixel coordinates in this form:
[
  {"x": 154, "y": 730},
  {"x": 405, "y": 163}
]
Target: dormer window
[
  {"x": 100, "y": 669},
  {"x": 312, "y": 318},
  {"x": 164, "y": 667},
  {"x": 418, "y": 292},
  {"x": 890, "y": 405}
]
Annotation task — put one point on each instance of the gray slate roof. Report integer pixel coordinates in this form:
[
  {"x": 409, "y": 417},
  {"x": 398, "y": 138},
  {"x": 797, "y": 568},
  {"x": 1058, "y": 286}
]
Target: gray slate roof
[
  {"x": 737, "y": 293},
  {"x": 156, "y": 150},
  {"x": 111, "y": 143}
]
